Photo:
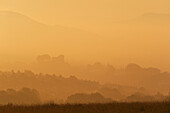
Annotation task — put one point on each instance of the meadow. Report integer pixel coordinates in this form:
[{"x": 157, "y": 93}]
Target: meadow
[{"x": 152, "y": 107}]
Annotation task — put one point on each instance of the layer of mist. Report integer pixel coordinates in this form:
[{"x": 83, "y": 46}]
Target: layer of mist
[
  {"x": 140, "y": 40},
  {"x": 24, "y": 80},
  {"x": 58, "y": 89}
]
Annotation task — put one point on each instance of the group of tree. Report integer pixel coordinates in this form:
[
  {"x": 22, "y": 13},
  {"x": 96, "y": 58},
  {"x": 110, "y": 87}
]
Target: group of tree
[{"x": 23, "y": 96}]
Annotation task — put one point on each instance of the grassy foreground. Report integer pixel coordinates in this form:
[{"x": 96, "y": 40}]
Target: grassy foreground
[{"x": 90, "y": 108}]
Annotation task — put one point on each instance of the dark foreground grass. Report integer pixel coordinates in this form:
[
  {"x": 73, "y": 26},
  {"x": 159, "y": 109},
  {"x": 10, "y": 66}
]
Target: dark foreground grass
[{"x": 163, "y": 107}]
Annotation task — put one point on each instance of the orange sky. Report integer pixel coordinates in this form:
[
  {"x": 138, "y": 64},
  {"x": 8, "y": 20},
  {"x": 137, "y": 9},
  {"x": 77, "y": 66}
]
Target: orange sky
[
  {"x": 123, "y": 32},
  {"x": 71, "y": 12}
]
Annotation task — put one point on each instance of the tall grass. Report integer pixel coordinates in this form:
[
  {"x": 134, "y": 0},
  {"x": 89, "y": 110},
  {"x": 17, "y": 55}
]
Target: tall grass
[{"x": 152, "y": 107}]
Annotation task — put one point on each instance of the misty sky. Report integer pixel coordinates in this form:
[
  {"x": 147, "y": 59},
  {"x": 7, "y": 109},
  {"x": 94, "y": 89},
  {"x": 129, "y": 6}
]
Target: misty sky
[
  {"x": 118, "y": 44},
  {"x": 74, "y": 12}
]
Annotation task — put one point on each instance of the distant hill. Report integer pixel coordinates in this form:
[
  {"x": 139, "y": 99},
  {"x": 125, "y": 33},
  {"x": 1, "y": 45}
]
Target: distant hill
[
  {"x": 50, "y": 87},
  {"x": 145, "y": 80},
  {"x": 22, "y": 34},
  {"x": 22, "y": 96},
  {"x": 152, "y": 18},
  {"x": 58, "y": 88}
]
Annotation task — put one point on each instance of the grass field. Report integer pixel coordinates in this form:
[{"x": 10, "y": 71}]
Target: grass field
[{"x": 90, "y": 108}]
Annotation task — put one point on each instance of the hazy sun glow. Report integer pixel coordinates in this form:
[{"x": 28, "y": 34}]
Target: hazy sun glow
[{"x": 125, "y": 42}]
